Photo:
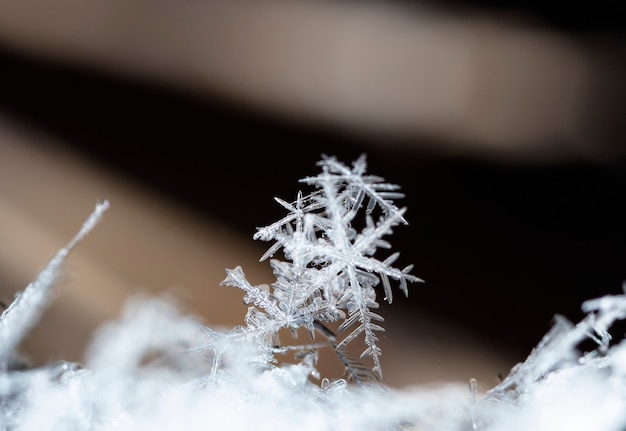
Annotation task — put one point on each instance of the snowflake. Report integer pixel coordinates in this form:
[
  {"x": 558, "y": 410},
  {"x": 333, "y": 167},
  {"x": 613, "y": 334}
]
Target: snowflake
[{"x": 330, "y": 270}]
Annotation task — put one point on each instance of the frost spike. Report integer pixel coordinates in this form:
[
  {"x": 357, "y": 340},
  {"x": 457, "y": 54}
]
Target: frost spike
[{"x": 25, "y": 311}]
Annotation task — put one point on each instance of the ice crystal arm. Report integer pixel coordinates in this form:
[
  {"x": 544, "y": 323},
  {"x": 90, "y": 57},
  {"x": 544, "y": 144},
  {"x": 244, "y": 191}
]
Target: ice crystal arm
[
  {"x": 28, "y": 306},
  {"x": 359, "y": 185},
  {"x": 297, "y": 211}
]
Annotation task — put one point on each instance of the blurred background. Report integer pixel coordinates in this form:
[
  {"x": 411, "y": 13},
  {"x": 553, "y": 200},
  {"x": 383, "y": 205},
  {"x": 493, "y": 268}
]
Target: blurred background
[{"x": 502, "y": 122}]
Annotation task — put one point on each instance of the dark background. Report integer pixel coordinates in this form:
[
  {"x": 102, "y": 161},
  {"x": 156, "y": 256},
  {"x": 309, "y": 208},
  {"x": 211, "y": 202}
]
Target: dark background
[{"x": 502, "y": 246}]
